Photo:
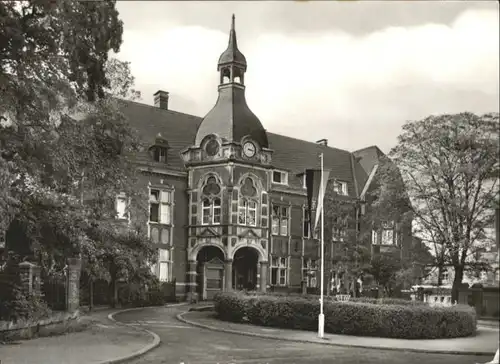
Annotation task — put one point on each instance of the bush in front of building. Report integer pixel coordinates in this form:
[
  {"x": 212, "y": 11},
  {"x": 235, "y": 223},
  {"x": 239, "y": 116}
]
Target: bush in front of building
[
  {"x": 348, "y": 318},
  {"x": 388, "y": 301},
  {"x": 382, "y": 301}
]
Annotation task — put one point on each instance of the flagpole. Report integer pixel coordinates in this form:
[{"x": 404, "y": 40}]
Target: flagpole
[{"x": 321, "y": 317}]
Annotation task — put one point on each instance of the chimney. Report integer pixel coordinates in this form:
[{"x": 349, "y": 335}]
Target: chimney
[
  {"x": 161, "y": 99},
  {"x": 323, "y": 142}
]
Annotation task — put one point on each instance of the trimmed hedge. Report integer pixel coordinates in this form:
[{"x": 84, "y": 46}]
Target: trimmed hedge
[
  {"x": 383, "y": 301},
  {"x": 348, "y": 318}
]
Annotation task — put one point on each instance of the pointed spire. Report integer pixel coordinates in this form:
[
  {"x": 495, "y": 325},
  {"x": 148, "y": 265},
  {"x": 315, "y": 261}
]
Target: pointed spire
[
  {"x": 233, "y": 44},
  {"x": 232, "y": 54}
]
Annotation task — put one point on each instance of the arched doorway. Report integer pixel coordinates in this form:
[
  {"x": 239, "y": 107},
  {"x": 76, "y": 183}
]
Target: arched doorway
[
  {"x": 245, "y": 269},
  {"x": 210, "y": 272}
]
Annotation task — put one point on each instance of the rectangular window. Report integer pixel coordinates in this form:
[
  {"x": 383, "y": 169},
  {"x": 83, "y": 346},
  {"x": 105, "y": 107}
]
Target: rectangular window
[
  {"x": 445, "y": 276},
  {"x": 280, "y": 177},
  {"x": 164, "y": 264},
  {"x": 304, "y": 185},
  {"x": 387, "y": 237},
  {"x": 284, "y": 221},
  {"x": 310, "y": 272},
  {"x": 305, "y": 224},
  {"x": 121, "y": 206},
  {"x": 252, "y": 213},
  {"x": 280, "y": 220},
  {"x": 339, "y": 232},
  {"x": 375, "y": 240},
  {"x": 160, "y": 206},
  {"x": 242, "y": 212},
  {"x": 247, "y": 212},
  {"x": 206, "y": 211},
  {"x": 217, "y": 211},
  {"x": 211, "y": 211},
  {"x": 279, "y": 271},
  {"x": 160, "y": 154},
  {"x": 340, "y": 188}
]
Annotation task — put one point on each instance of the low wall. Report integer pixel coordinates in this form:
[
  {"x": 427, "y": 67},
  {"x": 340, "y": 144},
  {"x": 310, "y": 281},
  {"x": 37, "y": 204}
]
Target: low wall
[
  {"x": 58, "y": 322},
  {"x": 485, "y": 300}
]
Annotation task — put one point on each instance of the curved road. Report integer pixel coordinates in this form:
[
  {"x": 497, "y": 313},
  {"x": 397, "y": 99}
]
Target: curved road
[{"x": 181, "y": 343}]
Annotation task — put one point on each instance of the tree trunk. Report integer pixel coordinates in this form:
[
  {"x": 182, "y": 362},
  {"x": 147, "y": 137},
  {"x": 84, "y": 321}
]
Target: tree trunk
[
  {"x": 457, "y": 281},
  {"x": 91, "y": 295},
  {"x": 440, "y": 275},
  {"x": 113, "y": 290}
]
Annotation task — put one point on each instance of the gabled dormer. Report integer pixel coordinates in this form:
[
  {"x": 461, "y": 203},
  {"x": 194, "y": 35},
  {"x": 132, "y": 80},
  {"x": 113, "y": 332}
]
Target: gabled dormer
[{"x": 159, "y": 149}]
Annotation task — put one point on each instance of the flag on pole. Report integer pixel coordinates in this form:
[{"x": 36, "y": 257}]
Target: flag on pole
[{"x": 314, "y": 195}]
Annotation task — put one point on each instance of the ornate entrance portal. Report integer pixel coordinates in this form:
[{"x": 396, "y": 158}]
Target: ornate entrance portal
[
  {"x": 245, "y": 269},
  {"x": 209, "y": 272}
]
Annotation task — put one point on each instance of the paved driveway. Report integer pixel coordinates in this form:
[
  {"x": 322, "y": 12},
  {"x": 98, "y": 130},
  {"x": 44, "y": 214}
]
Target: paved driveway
[{"x": 186, "y": 344}]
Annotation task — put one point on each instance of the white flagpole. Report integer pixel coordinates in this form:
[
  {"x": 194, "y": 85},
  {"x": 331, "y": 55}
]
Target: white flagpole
[{"x": 321, "y": 318}]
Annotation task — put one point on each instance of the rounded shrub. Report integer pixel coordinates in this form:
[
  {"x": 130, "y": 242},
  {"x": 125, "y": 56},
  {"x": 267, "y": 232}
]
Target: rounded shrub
[{"x": 378, "y": 318}]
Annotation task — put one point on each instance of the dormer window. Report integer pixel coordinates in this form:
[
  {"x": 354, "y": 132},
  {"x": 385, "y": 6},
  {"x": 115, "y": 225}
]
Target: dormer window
[
  {"x": 340, "y": 188},
  {"x": 280, "y": 177},
  {"x": 159, "y": 149},
  {"x": 160, "y": 155}
]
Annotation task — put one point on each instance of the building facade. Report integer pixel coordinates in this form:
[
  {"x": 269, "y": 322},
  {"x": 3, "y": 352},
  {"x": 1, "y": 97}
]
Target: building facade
[{"x": 228, "y": 199}]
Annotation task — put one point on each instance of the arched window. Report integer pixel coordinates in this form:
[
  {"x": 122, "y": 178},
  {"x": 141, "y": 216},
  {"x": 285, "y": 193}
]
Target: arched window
[
  {"x": 247, "y": 205},
  {"x": 211, "y": 207}
]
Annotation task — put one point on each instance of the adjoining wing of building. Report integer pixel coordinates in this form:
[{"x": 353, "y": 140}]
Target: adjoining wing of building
[{"x": 228, "y": 198}]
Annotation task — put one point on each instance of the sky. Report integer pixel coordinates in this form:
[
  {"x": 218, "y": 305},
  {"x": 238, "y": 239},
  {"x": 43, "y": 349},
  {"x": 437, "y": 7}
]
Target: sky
[{"x": 352, "y": 72}]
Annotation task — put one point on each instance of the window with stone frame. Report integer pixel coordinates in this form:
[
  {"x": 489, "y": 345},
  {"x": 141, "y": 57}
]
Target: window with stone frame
[
  {"x": 306, "y": 223},
  {"x": 211, "y": 204},
  {"x": 160, "y": 215},
  {"x": 280, "y": 177},
  {"x": 160, "y": 154},
  {"x": 160, "y": 206},
  {"x": 445, "y": 276},
  {"x": 279, "y": 218},
  {"x": 310, "y": 272},
  {"x": 159, "y": 149},
  {"x": 248, "y": 203},
  {"x": 385, "y": 235},
  {"x": 121, "y": 205},
  {"x": 340, "y": 188},
  {"x": 339, "y": 228},
  {"x": 165, "y": 265},
  {"x": 279, "y": 271}
]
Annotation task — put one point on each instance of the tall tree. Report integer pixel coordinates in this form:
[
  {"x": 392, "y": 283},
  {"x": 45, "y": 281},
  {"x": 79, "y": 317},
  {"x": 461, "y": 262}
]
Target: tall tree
[
  {"x": 63, "y": 140},
  {"x": 450, "y": 168}
]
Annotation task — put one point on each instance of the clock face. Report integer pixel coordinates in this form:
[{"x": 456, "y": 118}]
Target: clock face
[
  {"x": 249, "y": 149},
  {"x": 212, "y": 147}
]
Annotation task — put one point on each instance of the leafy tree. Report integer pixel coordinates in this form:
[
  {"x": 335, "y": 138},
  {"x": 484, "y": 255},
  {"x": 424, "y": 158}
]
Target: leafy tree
[
  {"x": 63, "y": 141},
  {"x": 348, "y": 252},
  {"x": 387, "y": 272},
  {"x": 449, "y": 165}
]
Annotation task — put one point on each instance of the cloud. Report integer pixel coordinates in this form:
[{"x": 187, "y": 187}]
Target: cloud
[{"x": 355, "y": 90}]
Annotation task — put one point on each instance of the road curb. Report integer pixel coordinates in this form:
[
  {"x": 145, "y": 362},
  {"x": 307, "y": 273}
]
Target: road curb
[
  {"x": 156, "y": 339},
  {"x": 181, "y": 318}
]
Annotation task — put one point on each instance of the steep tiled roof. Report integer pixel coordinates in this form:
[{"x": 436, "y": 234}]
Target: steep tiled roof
[
  {"x": 290, "y": 154},
  {"x": 368, "y": 157}
]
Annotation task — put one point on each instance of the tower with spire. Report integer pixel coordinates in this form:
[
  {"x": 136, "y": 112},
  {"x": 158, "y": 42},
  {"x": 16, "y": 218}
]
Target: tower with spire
[
  {"x": 230, "y": 130},
  {"x": 229, "y": 164}
]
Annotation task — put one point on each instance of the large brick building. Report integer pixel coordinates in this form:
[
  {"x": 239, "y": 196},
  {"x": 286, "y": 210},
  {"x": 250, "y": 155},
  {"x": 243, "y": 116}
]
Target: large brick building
[{"x": 228, "y": 199}]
